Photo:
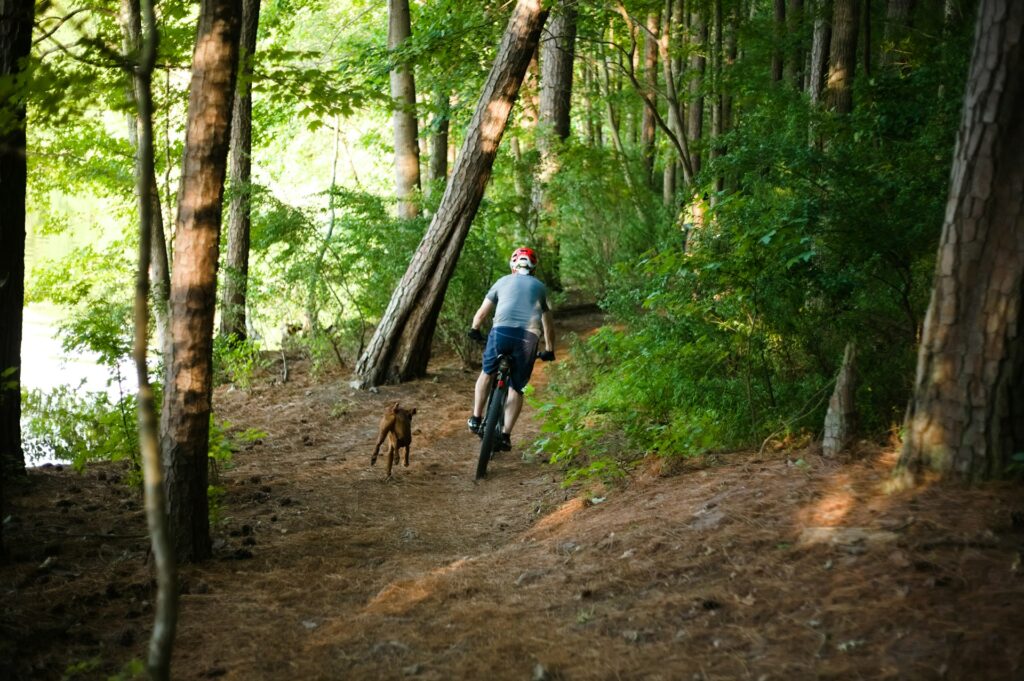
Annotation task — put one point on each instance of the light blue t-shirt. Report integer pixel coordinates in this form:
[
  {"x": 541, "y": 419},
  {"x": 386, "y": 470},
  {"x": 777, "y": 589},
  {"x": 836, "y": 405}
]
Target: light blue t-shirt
[{"x": 519, "y": 299}]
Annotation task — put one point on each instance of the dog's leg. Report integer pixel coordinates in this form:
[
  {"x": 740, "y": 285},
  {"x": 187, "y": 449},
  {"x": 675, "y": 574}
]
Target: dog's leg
[
  {"x": 376, "y": 450},
  {"x": 392, "y": 452},
  {"x": 407, "y": 456}
]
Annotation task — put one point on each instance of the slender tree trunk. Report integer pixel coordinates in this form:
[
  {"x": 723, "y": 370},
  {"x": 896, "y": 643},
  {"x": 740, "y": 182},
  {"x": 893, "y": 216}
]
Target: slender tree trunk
[
  {"x": 236, "y": 279},
  {"x": 819, "y": 49},
  {"x": 843, "y": 55},
  {"x": 403, "y": 92},
  {"x": 698, "y": 63},
  {"x": 794, "y": 66},
  {"x": 400, "y": 347},
  {"x": 651, "y": 81},
  {"x": 966, "y": 417},
  {"x": 185, "y": 418},
  {"x": 439, "y": 140},
  {"x": 16, "y": 17},
  {"x": 718, "y": 98},
  {"x": 898, "y": 18},
  {"x": 165, "y": 617},
  {"x": 159, "y": 272},
  {"x": 779, "y": 7},
  {"x": 866, "y": 33}
]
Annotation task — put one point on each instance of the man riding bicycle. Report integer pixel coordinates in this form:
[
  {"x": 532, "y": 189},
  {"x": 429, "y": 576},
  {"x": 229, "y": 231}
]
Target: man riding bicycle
[{"x": 520, "y": 305}]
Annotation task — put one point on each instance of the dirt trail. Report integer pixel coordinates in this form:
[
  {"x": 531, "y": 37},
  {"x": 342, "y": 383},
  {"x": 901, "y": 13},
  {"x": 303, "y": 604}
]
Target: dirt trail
[{"x": 782, "y": 567}]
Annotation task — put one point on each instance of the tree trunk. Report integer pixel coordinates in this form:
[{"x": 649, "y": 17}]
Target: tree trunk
[
  {"x": 403, "y": 92},
  {"x": 898, "y": 15},
  {"x": 698, "y": 62},
  {"x": 556, "y": 62},
  {"x": 400, "y": 347},
  {"x": 651, "y": 81},
  {"x": 185, "y": 418},
  {"x": 779, "y": 34},
  {"x": 557, "y": 57},
  {"x": 236, "y": 274},
  {"x": 843, "y": 55},
  {"x": 794, "y": 66},
  {"x": 165, "y": 616},
  {"x": 819, "y": 49},
  {"x": 16, "y": 17},
  {"x": 439, "y": 140},
  {"x": 966, "y": 417},
  {"x": 841, "y": 417},
  {"x": 159, "y": 270},
  {"x": 718, "y": 98}
]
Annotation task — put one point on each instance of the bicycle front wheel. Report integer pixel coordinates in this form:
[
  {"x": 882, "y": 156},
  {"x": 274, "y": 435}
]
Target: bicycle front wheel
[{"x": 492, "y": 428}]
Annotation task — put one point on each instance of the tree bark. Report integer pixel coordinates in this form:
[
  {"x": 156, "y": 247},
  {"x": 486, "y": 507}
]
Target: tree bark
[
  {"x": 236, "y": 279},
  {"x": 819, "y": 49},
  {"x": 651, "y": 81},
  {"x": 843, "y": 55},
  {"x": 698, "y": 62},
  {"x": 898, "y": 15},
  {"x": 16, "y": 17},
  {"x": 165, "y": 616},
  {"x": 794, "y": 66},
  {"x": 779, "y": 12},
  {"x": 841, "y": 417},
  {"x": 403, "y": 92},
  {"x": 159, "y": 270},
  {"x": 400, "y": 347},
  {"x": 185, "y": 418},
  {"x": 966, "y": 418},
  {"x": 557, "y": 56},
  {"x": 439, "y": 140}
]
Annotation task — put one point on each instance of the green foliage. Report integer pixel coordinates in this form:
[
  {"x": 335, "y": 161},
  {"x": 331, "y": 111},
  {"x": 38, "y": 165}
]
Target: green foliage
[
  {"x": 80, "y": 427},
  {"x": 237, "y": 362},
  {"x": 825, "y": 233}
]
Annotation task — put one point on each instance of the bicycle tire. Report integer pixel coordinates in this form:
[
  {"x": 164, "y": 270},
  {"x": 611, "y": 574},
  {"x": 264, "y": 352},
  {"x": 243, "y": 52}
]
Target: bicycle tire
[{"x": 492, "y": 423}]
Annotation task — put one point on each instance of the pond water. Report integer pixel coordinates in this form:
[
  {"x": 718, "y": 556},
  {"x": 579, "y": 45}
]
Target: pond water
[{"x": 44, "y": 363}]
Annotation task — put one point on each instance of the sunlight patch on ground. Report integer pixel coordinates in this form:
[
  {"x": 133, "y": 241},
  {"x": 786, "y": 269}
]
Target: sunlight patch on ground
[
  {"x": 559, "y": 516},
  {"x": 401, "y": 595}
]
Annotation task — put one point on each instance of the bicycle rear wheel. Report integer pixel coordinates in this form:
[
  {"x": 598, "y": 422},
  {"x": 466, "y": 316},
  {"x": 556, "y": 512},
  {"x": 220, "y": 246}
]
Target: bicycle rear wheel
[{"x": 492, "y": 428}]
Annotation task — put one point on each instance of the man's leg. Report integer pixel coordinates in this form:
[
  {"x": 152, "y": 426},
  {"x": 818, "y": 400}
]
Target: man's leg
[
  {"x": 513, "y": 406},
  {"x": 483, "y": 385}
]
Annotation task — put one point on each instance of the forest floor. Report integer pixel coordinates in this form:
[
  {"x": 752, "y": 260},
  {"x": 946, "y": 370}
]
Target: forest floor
[{"x": 738, "y": 566}]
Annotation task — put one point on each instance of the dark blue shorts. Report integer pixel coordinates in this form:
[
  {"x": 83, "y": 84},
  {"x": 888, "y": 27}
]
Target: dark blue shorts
[{"x": 519, "y": 343}]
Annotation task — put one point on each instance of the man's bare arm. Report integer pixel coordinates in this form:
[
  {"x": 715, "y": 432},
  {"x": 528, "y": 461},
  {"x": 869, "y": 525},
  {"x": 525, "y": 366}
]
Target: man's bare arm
[
  {"x": 483, "y": 313},
  {"x": 547, "y": 321}
]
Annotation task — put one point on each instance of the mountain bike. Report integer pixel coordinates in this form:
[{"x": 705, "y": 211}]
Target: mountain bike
[{"x": 494, "y": 412}]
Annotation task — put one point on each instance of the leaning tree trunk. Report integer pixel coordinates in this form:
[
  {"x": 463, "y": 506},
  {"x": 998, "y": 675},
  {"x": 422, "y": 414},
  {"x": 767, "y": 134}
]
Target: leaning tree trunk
[
  {"x": 16, "y": 18},
  {"x": 185, "y": 418},
  {"x": 400, "y": 347},
  {"x": 843, "y": 55},
  {"x": 966, "y": 417},
  {"x": 403, "y": 92},
  {"x": 236, "y": 279}
]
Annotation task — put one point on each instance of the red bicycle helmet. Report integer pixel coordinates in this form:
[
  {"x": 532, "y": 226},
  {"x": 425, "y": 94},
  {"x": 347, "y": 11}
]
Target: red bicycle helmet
[{"x": 523, "y": 259}]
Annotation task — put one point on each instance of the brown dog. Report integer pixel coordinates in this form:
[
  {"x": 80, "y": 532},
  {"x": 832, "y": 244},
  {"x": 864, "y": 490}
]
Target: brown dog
[{"x": 396, "y": 426}]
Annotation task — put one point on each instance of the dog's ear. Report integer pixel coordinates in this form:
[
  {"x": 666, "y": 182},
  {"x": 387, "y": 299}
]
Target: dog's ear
[
  {"x": 394, "y": 407},
  {"x": 412, "y": 411}
]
